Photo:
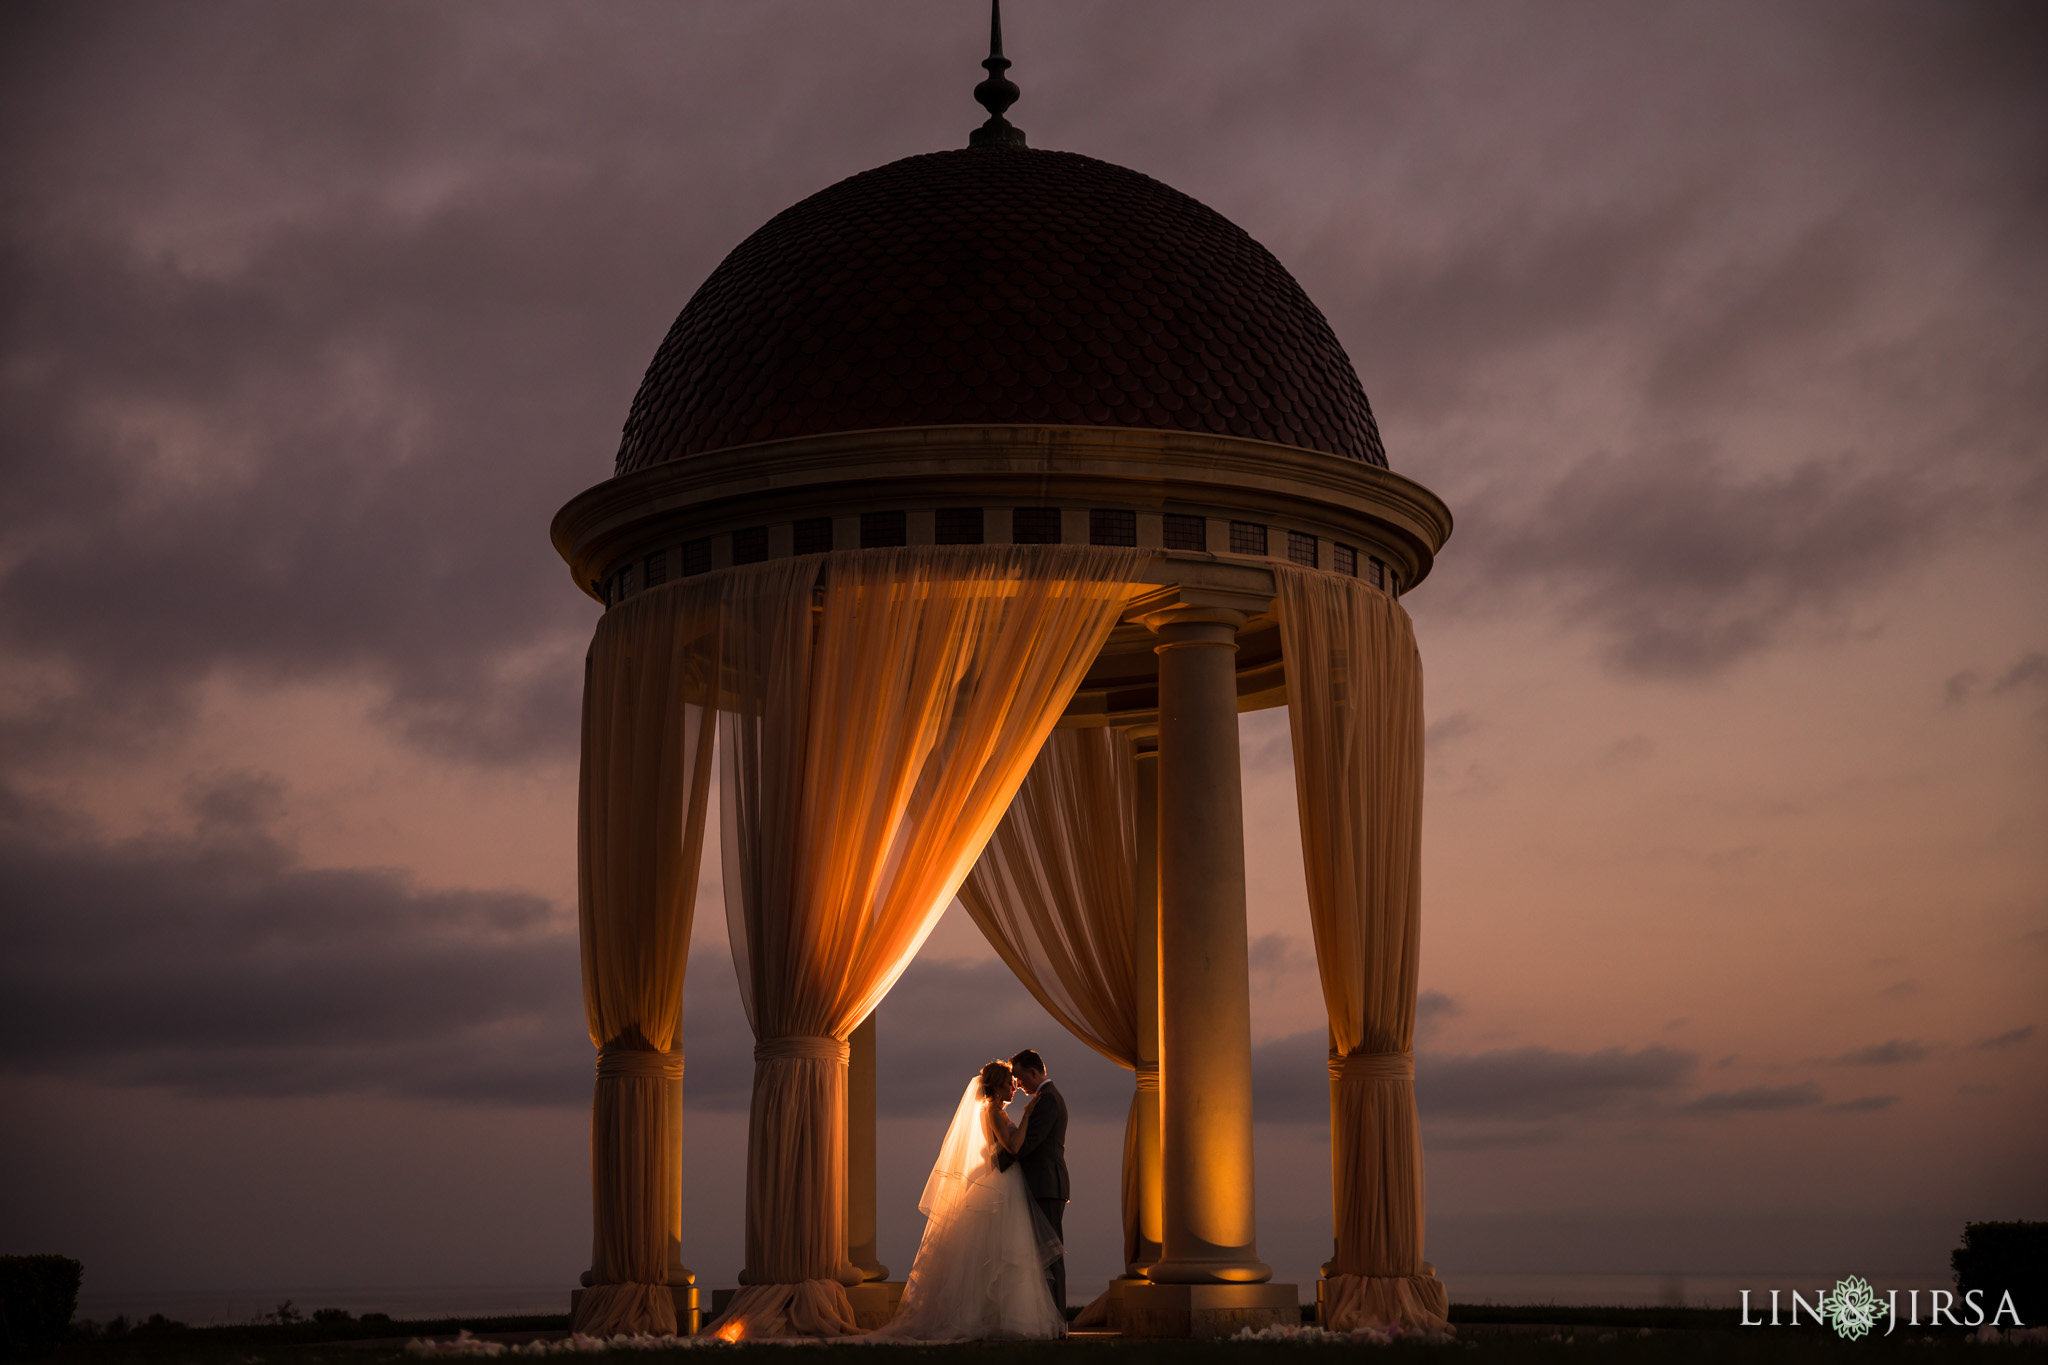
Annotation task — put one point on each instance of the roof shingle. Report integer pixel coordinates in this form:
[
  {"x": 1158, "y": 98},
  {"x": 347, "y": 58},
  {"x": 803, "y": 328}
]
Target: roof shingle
[{"x": 998, "y": 285}]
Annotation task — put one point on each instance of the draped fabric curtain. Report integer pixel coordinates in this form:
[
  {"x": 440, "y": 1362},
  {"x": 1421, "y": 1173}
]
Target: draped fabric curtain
[
  {"x": 1354, "y": 693},
  {"x": 647, "y": 745},
  {"x": 1055, "y": 894},
  {"x": 880, "y": 709}
]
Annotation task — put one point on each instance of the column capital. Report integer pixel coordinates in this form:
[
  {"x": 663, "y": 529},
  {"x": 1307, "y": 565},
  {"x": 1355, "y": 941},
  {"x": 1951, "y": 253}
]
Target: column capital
[
  {"x": 1182, "y": 604},
  {"x": 1189, "y": 622}
]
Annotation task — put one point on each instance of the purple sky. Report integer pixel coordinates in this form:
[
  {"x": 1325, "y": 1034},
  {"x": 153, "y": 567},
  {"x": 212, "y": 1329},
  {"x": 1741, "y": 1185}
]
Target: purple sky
[{"x": 1723, "y": 329}]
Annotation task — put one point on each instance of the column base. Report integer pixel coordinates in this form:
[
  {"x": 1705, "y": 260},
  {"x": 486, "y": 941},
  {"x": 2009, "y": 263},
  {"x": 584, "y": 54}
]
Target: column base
[
  {"x": 1208, "y": 1272},
  {"x": 1148, "y": 1256},
  {"x": 1323, "y": 1284},
  {"x": 688, "y": 1316},
  {"x": 1207, "y": 1310}
]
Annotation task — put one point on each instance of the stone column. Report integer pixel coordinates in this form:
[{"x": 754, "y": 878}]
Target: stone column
[
  {"x": 860, "y": 1152},
  {"x": 1146, "y": 743},
  {"x": 1205, "y": 1042}
]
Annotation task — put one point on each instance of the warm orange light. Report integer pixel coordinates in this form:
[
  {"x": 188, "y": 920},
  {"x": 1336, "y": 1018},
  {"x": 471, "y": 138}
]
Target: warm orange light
[{"x": 732, "y": 1331}]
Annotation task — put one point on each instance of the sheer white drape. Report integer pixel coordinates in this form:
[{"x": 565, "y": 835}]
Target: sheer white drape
[
  {"x": 1055, "y": 893},
  {"x": 881, "y": 709},
  {"x": 647, "y": 744},
  {"x": 1354, "y": 691}
]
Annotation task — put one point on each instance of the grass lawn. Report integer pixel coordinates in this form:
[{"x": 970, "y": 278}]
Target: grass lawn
[{"x": 1487, "y": 1333}]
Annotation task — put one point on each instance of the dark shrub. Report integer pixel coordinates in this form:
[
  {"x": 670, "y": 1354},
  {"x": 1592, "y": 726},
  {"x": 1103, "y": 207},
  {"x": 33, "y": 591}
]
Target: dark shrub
[
  {"x": 38, "y": 1295},
  {"x": 2001, "y": 1258}
]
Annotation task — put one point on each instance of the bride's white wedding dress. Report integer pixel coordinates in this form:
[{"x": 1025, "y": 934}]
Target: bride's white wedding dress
[{"x": 980, "y": 1270}]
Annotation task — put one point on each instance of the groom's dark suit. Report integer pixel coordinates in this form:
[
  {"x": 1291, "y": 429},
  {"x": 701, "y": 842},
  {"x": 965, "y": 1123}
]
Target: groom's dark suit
[{"x": 1043, "y": 1155}]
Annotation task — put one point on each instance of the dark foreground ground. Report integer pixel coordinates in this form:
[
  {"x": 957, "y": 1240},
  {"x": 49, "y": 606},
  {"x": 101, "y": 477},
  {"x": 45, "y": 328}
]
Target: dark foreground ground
[{"x": 1484, "y": 1334}]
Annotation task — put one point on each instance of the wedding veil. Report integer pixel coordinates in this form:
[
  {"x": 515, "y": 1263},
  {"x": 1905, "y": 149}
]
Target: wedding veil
[{"x": 963, "y": 1156}]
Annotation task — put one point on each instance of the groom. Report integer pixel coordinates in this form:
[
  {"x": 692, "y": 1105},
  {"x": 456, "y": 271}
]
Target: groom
[{"x": 1043, "y": 1155}]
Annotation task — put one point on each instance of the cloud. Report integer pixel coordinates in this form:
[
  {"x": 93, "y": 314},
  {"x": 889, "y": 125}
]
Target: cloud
[
  {"x": 1760, "y": 312},
  {"x": 1896, "y": 1052},
  {"x": 1280, "y": 954},
  {"x": 220, "y": 965},
  {"x": 1291, "y": 1078},
  {"x": 1492, "y": 291},
  {"x": 294, "y": 393},
  {"x": 295, "y": 376},
  {"x": 1544, "y": 1083},
  {"x": 1455, "y": 726},
  {"x": 1685, "y": 565},
  {"x": 1865, "y": 1104},
  {"x": 1999, "y": 1042},
  {"x": 1755, "y": 1099},
  {"x": 1433, "y": 1007},
  {"x": 1745, "y": 423},
  {"x": 1496, "y": 1137},
  {"x": 1629, "y": 750},
  {"x": 2031, "y": 670},
  {"x": 314, "y": 466},
  {"x": 2028, "y": 672},
  {"x": 1520, "y": 1085},
  {"x": 1522, "y": 1097},
  {"x": 1433, "y": 1011}
]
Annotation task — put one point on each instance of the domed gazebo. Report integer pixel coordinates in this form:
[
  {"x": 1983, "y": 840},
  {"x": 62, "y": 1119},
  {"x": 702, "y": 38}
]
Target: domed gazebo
[{"x": 969, "y": 500}]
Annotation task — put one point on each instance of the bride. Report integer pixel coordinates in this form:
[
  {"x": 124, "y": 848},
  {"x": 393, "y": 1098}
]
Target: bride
[{"x": 980, "y": 1270}]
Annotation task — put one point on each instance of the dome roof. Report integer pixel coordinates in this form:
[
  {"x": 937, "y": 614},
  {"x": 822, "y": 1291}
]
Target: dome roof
[{"x": 998, "y": 285}]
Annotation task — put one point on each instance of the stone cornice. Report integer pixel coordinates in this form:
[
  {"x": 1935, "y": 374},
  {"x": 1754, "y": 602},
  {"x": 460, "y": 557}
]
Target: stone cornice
[{"x": 818, "y": 475}]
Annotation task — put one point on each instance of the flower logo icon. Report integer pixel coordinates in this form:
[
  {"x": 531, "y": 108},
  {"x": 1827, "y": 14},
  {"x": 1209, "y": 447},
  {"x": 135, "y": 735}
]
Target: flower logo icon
[{"x": 1853, "y": 1308}]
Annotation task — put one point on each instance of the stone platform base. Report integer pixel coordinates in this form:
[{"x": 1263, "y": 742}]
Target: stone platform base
[
  {"x": 874, "y": 1303},
  {"x": 688, "y": 1317},
  {"x": 1206, "y": 1310},
  {"x": 1105, "y": 1312}
]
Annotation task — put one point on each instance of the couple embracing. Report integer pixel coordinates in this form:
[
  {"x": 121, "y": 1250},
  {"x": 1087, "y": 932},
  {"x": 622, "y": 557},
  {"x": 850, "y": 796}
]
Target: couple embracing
[{"x": 991, "y": 1264}]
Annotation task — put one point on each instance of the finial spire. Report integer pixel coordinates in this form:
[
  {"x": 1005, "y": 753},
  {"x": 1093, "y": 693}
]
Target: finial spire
[{"x": 998, "y": 92}]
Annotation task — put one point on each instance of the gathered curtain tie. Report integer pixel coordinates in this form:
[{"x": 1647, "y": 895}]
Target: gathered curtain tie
[
  {"x": 1372, "y": 1066},
  {"x": 622, "y": 1063},
  {"x": 1147, "y": 1074},
  {"x": 800, "y": 1046}
]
